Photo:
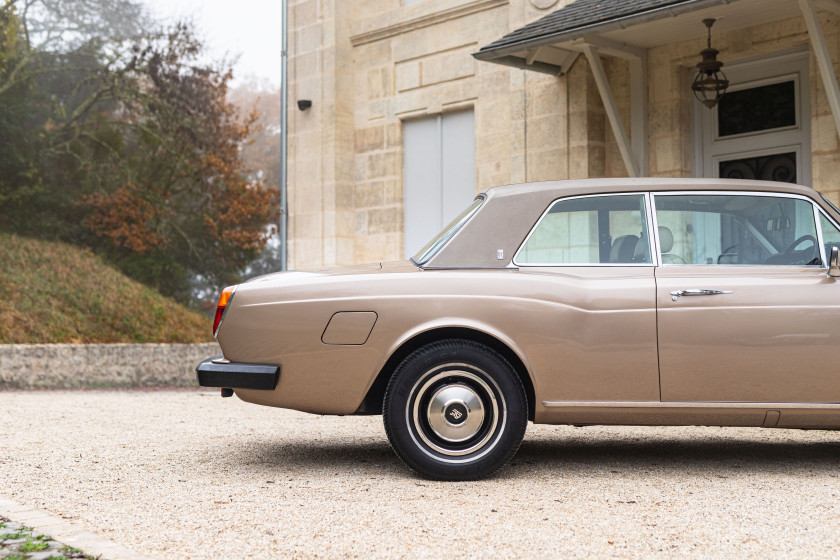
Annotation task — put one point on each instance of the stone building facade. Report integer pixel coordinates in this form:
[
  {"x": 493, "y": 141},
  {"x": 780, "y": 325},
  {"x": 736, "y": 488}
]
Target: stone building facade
[{"x": 371, "y": 68}]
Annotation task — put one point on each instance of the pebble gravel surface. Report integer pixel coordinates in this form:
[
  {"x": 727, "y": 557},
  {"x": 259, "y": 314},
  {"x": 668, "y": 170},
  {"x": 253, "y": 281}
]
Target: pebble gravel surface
[{"x": 190, "y": 475}]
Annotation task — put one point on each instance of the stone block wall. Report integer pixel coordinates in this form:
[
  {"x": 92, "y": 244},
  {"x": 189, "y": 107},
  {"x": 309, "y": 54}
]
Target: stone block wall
[
  {"x": 101, "y": 365},
  {"x": 378, "y": 64},
  {"x": 671, "y": 70},
  {"x": 371, "y": 65}
]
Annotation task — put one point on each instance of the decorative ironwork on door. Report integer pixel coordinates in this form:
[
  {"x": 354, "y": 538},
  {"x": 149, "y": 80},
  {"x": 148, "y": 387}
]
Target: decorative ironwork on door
[{"x": 775, "y": 167}]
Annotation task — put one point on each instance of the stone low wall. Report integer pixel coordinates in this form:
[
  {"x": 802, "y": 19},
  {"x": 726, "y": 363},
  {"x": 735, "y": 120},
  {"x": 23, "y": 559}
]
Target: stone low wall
[{"x": 101, "y": 365}]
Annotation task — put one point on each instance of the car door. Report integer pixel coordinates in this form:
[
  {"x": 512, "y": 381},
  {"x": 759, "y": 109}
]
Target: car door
[
  {"x": 589, "y": 257},
  {"x": 745, "y": 309}
]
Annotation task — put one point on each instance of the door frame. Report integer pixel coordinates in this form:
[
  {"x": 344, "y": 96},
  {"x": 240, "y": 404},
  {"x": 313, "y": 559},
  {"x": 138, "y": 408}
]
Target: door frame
[{"x": 709, "y": 151}]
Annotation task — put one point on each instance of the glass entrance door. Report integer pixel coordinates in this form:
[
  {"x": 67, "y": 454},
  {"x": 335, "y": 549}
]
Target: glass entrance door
[
  {"x": 760, "y": 129},
  {"x": 772, "y": 167}
]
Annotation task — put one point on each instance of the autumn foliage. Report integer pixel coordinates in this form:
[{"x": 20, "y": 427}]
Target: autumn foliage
[
  {"x": 122, "y": 141},
  {"x": 125, "y": 218}
]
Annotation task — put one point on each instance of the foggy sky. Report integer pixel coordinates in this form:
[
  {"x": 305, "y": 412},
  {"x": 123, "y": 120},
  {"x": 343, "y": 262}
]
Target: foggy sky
[{"x": 248, "y": 28}]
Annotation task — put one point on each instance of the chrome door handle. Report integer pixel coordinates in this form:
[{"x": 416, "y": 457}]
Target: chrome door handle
[{"x": 676, "y": 294}]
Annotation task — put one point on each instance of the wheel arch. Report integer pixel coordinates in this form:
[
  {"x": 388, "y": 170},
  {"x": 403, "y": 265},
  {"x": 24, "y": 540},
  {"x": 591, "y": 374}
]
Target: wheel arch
[{"x": 372, "y": 403}]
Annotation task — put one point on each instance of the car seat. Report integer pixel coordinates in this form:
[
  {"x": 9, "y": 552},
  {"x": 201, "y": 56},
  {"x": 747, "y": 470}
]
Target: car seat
[
  {"x": 666, "y": 243},
  {"x": 623, "y": 249}
]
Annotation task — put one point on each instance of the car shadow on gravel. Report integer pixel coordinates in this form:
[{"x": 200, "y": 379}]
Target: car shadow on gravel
[
  {"x": 687, "y": 455},
  {"x": 545, "y": 455}
]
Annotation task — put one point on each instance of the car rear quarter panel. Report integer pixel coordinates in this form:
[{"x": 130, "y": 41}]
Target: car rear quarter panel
[{"x": 552, "y": 322}]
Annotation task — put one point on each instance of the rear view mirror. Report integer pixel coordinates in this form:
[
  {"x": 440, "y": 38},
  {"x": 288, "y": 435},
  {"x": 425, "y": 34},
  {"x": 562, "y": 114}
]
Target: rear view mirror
[{"x": 834, "y": 262}]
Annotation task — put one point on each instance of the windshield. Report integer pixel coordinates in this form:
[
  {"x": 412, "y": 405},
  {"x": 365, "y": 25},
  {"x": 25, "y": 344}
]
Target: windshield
[
  {"x": 822, "y": 196},
  {"x": 433, "y": 246}
]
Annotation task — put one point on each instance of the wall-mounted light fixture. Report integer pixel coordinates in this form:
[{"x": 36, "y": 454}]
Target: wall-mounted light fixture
[
  {"x": 304, "y": 104},
  {"x": 710, "y": 83}
]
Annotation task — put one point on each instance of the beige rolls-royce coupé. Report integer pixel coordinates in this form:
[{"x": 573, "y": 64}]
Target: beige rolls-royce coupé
[{"x": 631, "y": 301}]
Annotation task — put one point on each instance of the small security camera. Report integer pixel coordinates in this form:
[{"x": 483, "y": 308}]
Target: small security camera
[{"x": 304, "y": 104}]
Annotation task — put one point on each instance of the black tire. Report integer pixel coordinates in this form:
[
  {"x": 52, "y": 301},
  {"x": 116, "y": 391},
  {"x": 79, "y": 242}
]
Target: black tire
[{"x": 455, "y": 410}]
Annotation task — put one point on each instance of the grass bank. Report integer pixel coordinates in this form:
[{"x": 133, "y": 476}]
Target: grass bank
[{"x": 54, "y": 292}]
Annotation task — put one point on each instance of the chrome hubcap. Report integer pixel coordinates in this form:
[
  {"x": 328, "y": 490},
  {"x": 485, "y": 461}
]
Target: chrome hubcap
[{"x": 455, "y": 412}]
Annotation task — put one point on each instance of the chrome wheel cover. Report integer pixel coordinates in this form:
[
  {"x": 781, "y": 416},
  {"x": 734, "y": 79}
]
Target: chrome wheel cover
[{"x": 455, "y": 413}]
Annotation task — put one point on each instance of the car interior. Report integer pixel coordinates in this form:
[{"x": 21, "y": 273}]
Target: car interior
[
  {"x": 699, "y": 229},
  {"x": 737, "y": 229}
]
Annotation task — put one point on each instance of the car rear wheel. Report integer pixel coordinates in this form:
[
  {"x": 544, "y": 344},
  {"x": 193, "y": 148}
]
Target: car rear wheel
[{"x": 455, "y": 410}]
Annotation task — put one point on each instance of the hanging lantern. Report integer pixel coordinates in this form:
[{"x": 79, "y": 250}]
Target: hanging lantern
[{"x": 710, "y": 83}]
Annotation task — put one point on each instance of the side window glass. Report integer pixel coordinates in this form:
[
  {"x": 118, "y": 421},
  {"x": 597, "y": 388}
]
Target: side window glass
[
  {"x": 588, "y": 231},
  {"x": 736, "y": 229},
  {"x": 831, "y": 235}
]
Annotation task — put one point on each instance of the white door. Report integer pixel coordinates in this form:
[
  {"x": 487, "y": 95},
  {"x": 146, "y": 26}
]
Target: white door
[
  {"x": 439, "y": 174},
  {"x": 760, "y": 129}
]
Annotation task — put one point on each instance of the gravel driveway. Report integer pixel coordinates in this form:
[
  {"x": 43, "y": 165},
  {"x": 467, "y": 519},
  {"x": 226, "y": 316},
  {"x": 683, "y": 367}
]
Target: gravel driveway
[{"x": 190, "y": 475}]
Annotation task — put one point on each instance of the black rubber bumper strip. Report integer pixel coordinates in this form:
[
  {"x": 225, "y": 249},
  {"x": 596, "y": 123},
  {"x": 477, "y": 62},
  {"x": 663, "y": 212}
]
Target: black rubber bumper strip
[{"x": 237, "y": 376}]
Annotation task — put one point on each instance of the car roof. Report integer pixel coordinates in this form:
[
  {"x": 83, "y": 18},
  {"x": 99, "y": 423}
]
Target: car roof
[
  {"x": 578, "y": 187},
  {"x": 511, "y": 211}
]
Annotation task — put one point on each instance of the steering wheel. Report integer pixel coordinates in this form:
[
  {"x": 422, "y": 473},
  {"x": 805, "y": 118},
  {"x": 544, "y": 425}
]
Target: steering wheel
[{"x": 790, "y": 249}]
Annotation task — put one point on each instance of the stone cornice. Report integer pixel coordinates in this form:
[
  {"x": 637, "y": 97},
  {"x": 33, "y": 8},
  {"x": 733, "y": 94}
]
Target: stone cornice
[{"x": 425, "y": 21}]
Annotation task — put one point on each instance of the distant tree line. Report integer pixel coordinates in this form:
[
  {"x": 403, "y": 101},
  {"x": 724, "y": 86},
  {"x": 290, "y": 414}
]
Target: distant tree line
[{"x": 114, "y": 136}]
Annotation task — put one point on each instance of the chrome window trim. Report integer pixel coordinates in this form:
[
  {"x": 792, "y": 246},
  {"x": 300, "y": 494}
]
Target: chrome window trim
[
  {"x": 830, "y": 204},
  {"x": 586, "y": 265},
  {"x": 828, "y": 217},
  {"x": 743, "y": 193},
  {"x": 423, "y": 264},
  {"x": 643, "y": 194},
  {"x": 823, "y": 260},
  {"x": 656, "y": 254},
  {"x": 821, "y": 212}
]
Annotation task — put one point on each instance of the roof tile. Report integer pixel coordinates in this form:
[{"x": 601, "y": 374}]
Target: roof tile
[{"x": 578, "y": 14}]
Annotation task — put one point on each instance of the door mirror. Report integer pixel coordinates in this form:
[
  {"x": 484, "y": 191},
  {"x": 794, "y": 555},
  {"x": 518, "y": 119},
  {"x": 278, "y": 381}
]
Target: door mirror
[{"x": 834, "y": 262}]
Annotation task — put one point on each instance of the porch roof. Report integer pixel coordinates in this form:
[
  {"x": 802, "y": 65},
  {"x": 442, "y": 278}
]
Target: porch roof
[
  {"x": 551, "y": 43},
  {"x": 628, "y": 28},
  {"x": 578, "y": 15}
]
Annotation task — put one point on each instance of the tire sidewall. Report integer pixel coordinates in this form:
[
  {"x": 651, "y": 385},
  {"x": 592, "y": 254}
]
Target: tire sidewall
[{"x": 499, "y": 374}]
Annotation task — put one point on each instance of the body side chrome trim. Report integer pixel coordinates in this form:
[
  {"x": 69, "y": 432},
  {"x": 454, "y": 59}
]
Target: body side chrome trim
[{"x": 713, "y": 404}]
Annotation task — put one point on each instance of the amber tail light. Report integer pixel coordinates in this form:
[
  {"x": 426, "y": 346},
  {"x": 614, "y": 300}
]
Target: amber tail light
[{"x": 224, "y": 300}]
